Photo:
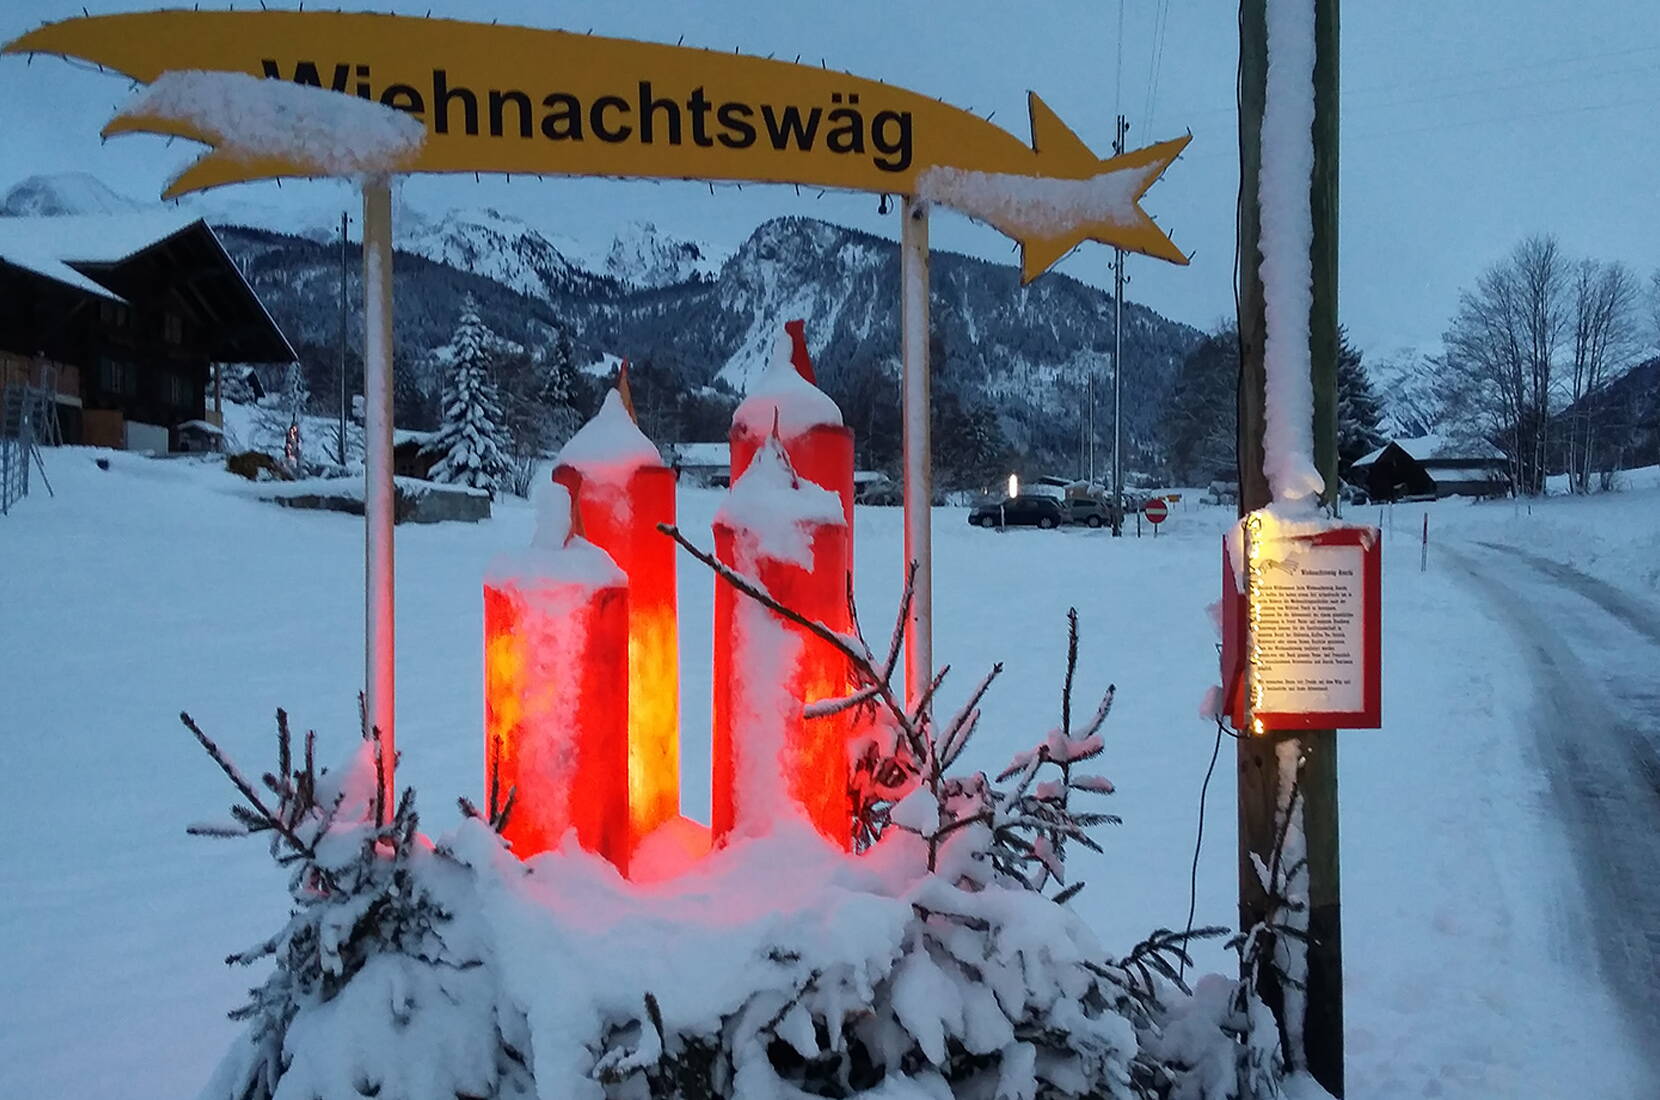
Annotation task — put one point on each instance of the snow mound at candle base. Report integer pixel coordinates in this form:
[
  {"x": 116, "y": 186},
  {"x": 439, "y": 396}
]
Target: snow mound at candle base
[{"x": 776, "y": 967}]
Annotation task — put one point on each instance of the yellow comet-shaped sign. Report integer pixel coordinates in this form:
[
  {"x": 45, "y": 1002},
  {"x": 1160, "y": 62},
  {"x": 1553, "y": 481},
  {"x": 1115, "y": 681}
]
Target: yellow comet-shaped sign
[{"x": 511, "y": 99}]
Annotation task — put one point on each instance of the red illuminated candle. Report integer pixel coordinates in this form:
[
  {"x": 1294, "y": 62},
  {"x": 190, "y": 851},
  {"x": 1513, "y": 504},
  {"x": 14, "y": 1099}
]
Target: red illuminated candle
[
  {"x": 769, "y": 762},
  {"x": 623, "y": 490},
  {"x": 555, "y": 689},
  {"x": 820, "y": 446}
]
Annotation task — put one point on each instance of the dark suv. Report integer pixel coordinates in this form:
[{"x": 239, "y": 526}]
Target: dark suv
[{"x": 1021, "y": 511}]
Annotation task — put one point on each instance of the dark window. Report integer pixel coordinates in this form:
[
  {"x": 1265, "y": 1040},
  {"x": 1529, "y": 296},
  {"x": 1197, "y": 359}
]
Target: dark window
[
  {"x": 172, "y": 328},
  {"x": 115, "y": 376},
  {"x": 179, "y": 391}
]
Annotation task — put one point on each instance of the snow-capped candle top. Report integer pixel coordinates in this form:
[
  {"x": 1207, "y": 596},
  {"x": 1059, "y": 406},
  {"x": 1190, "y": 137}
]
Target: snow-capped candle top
[
  {"x": 773, "y": 511},
  {"x": 783, "y": 397},
  {"x": 246, "y": 116},
  {"x": 554, "y": 554},
  {"x": 610, "y": 444}
]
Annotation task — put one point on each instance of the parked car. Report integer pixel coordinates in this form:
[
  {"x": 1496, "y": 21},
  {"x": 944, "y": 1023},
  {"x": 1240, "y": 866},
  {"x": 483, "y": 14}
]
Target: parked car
[
  {"x": 1088, "y": 511},
  {"x": 1025, "y": 510}
]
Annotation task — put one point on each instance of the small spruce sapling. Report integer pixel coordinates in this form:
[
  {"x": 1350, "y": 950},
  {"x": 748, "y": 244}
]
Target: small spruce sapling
[
  {"x": 360, "y": 879},
  {"x": 980, "y": 835}
]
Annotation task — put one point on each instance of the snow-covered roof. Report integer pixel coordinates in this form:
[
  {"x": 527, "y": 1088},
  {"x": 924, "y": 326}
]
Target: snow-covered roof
[
  {"x": 400, "y": 436},
  {"x": 702, "y": 454},
  {"x": 49, "y": 245},
  {"x": 1428, "y": 448},
  {"x": 202, "y": 426}
]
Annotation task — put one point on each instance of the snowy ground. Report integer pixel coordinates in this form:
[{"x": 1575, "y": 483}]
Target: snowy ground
[{"x": 1476, "y": 961}]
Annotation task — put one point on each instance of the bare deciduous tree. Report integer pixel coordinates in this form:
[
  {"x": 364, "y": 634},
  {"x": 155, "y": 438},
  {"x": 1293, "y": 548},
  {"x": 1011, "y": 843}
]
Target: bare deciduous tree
[
  {"x": 1501, "y": 348},
  {"x": 1605, "y": 338}
]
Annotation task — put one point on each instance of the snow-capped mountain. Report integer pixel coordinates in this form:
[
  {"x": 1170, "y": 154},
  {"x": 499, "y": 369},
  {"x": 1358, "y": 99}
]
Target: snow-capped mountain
[
  {"x": 541, "y": 263},
  {"x": 1411, "y": 390},
  {"x": 644, "y": 256},
  {"x": 497, "y": 246},
  {"x": 1023, "y": 351},
  {"x": 66, "y": 193}
]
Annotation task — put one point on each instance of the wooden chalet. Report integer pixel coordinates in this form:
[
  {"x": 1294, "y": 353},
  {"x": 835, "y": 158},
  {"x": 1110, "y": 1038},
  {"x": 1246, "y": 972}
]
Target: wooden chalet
[
  {"x": 1430, "y": 467},
  {"x": 124, "y": 316}
]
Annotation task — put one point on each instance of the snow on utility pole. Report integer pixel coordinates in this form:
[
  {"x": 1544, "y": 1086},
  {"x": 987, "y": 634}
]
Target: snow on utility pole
[{"x": 1317, "y": 1044}]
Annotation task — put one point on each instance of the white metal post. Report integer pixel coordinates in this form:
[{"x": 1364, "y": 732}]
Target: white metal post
[
  {"x": 377, "y": 460},
  {"x": 919, "y": 466}
]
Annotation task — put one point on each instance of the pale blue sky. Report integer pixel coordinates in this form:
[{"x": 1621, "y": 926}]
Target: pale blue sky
[{"x": 1466, "y": 125}]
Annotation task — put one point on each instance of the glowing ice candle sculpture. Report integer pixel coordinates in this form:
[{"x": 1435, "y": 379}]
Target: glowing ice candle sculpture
[
  {"x": 819, "y": 445},
  {"x": 623, "y": 490},
  {"x": 555, "y": 688},
  {"x": 769, "y": 761}
]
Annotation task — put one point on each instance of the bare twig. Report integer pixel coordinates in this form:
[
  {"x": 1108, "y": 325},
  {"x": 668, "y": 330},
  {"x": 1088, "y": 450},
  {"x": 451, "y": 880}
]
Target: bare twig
[{"x": 247, "y": 789}]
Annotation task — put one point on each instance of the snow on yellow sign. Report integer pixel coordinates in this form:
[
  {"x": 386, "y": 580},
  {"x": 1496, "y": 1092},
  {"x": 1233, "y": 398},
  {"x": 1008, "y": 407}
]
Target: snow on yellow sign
[{"x": 510, "y": 99}]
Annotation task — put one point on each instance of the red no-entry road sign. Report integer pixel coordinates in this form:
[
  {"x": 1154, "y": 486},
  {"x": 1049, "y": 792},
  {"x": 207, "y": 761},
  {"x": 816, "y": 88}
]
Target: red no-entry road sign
[{"x": 1155, "y": 510}]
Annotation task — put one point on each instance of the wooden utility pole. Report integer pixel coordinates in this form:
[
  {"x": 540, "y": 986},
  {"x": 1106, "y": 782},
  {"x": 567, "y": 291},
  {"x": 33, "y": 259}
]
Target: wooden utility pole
[
  {"x": 1262, "y": 792},
  {"x": 1122, "y": 129},
  {"x": 919, "y": 455},
  {"x": 344, "y": 400}
]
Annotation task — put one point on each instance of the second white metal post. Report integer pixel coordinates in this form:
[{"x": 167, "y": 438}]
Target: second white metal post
[
  {"x": 378, "y": 498},
  {"x": 919, "y": 465}
]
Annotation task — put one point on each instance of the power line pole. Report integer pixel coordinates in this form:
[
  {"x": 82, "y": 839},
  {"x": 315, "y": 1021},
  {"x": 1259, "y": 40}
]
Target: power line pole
[
  {"x": 1118, "y": 355},
  {"x": 1263, "y": 792},
  {"x": 343, "y": 388}
]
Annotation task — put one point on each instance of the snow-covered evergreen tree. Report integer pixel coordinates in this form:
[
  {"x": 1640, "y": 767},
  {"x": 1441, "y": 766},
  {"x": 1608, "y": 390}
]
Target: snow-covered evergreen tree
[
  {"x": 556, "y": 393},
  {"x": 558, "y": 377},
  {"x": 472, "y": 438},
  {"x": 1358, "y": 408},
  {"x": 234, "y": 384},
  {"x": 280, "y": 418}
]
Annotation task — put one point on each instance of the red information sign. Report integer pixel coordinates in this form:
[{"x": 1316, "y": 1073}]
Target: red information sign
[
  {"x": 1318, "y": 631},
  {"x": 1155, "y": 510}
]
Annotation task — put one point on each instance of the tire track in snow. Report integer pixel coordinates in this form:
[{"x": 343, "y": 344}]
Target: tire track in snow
[{"x": 1594, "y": 653}]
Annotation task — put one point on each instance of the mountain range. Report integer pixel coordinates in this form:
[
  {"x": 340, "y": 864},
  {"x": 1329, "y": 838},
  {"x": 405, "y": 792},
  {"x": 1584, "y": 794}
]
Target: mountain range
[{"x": 701, "y": 322}]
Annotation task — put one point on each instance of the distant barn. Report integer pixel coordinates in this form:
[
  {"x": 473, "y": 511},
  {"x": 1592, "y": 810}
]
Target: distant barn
[
  {"x": 701, "y": 463},
  {"x": 1430, "y": 467}
]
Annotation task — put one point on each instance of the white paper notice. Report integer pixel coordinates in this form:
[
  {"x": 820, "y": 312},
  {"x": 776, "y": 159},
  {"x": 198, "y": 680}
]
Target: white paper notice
[{"x": 1310, "y": 656}]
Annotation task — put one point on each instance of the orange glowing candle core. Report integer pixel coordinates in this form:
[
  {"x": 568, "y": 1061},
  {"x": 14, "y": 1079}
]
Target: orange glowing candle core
[
  {"x": 622, "y": 490},
  {"x": 555, "y": 708}
]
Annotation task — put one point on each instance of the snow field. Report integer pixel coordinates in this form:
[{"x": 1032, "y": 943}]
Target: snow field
[
  {"x": 149, "y": 588},
  {"x": 1611, "y": 536}
]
